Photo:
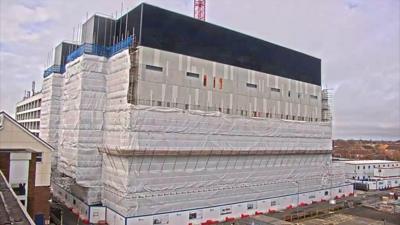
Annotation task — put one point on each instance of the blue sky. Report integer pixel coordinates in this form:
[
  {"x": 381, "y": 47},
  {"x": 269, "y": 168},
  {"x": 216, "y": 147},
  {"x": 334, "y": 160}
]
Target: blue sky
[{"x": 357, "y": 40}]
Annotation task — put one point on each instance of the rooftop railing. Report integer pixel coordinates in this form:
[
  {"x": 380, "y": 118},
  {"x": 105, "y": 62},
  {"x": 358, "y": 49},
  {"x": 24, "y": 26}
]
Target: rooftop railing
[
  {"x": 54, "y": 69},
  {"x": 91, "y": 49},
  {"x": 100, "y": 50}
]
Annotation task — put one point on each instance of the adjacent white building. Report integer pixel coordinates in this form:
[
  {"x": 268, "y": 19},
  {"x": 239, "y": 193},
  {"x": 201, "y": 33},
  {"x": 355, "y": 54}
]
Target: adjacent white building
[
  {"x": 28, "y": 112},
  {"x": 373, "y": 174}
]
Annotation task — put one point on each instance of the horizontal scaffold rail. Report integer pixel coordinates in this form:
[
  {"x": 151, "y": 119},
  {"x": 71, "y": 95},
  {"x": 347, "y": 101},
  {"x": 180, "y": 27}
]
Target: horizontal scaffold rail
[{"x": 128, "y": 152}]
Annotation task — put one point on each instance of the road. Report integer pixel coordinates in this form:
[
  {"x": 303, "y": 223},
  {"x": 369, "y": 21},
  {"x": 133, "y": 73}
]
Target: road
[{"x": 68, "y": 217}]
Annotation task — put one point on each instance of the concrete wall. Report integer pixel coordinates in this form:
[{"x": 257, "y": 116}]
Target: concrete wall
[{"x": 234, "y": 91}]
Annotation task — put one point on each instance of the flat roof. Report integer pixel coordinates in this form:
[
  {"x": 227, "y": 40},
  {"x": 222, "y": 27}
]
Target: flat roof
[{"x": 355, "y": 162}]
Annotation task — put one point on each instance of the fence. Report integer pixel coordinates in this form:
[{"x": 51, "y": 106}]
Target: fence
[
  {"x": 54, "y": 69},
  {"x": 94, "y": 49},
  {"x": 91, "y": 49}
]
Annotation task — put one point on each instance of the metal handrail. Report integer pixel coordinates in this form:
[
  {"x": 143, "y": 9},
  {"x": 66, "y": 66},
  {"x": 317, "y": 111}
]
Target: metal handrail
[
  {"x": 54, "y": 69},
  {"x": 100, "y": 50}
]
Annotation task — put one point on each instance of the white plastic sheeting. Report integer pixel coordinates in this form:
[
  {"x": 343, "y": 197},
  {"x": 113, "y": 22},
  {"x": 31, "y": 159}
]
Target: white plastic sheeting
[
  {"x": 81, "y": 127},
  {"x": 50, "y": 111},
  {"x": 155, "y": 128},
  {"x": 145, "y": 185}
]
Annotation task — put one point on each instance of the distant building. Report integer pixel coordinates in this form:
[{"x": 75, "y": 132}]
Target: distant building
[
  {"x": 373, "y": 174},
  {"x": 28, "y": 112},
  {"x": 25, "y": 161}
]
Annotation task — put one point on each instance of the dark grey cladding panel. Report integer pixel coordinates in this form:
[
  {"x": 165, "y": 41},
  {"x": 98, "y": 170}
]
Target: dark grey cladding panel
[
  {"x": 99, "y": 30},
  {"x": 128, "y": 24},
  {"x": 107, "y": 31},
  {"x": 62, "y": 51},
  {"x": 166, "y": 30}
]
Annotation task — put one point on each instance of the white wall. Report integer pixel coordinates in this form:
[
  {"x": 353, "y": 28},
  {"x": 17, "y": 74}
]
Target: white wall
[
  {"x": 97, "y": 213},
  {"x": 237, "y": 210},
  {"x": 114, "y": 218}
]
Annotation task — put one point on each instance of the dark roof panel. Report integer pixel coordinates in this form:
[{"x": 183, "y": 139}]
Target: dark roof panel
[{"x": 169, "y": 31}]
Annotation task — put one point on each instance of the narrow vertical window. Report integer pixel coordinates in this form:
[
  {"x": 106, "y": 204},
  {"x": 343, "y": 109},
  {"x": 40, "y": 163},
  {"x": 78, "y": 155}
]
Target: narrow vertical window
[
  {"x": 214, "y": 83},
  {"x": 205, "y": 80},
  {"x": 220, "y": 83}
]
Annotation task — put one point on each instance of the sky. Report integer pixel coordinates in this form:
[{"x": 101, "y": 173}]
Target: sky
[{"x": 358, "y": 42}]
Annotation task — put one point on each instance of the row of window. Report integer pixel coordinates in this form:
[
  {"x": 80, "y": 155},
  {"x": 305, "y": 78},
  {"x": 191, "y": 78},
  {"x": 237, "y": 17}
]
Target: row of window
[
  {"x": 378, "y": 166},
  {"x": 28, "y": 115},
  {"x": 241, "y": 112},
  {"x": 31, "y": 125},
  {"x": 30, "y": 105},
  {"x": 218, "y": 82}
]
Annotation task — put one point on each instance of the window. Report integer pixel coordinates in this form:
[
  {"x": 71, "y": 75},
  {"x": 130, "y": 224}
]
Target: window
[
  {"x": 186, "y": 106},
  {"x": 288, "y": 94},
  {"x": 273, "y": 203},
  {"x": 340, "y": 190},
  {"x": 267, "y": 115},
  {"x": 228, "y": 111},
  {"x": 214, "y": 83},
  {"x": 313, "y": 96},
  {"x": 311, "y": 196},
  {"x": 168, "y": 104},
  {"x": 220, "y": 83},
  {"x": 254, "y": 114},
  {"x": 154, "y": 68},
  {"x": 226, "y": 210},
  {"x": 251, "y": 85},
  {"x": 275, "y": 89},
  {"x": 194, "y": 75},
  {"x": 74, "y": 202},
  {"x": 326, "y": 193},
  {"x": 192, "y": 216},
  {"x": 159, "y": 103},
  {"x": 39, "y": 157},
  {"x": 363, "y": 167},
  {"x": 250, "y": 206},
  {"x": 205, "y": 80}
]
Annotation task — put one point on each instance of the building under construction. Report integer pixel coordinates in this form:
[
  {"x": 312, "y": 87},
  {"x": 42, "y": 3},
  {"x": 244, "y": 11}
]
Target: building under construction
[{"x": 160, "y": 118}]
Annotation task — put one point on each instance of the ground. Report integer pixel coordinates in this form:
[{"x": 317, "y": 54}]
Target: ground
[{"x": 348, "y": 211}]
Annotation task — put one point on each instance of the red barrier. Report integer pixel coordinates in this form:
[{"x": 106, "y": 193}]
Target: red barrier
[
  {"x": 85, "y": 221},
  {"x": 102, "y": 222},
  {"x": 271, "y": 210},
  {"x": 259, "y": 213},
  {"x": 229, "y": 219},
  {"x": 244, "y": 215}
]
